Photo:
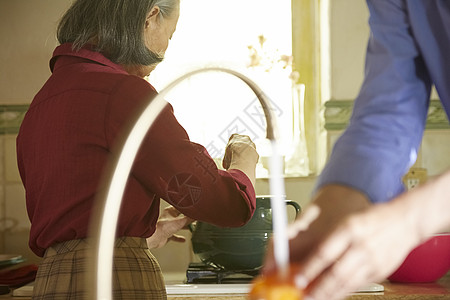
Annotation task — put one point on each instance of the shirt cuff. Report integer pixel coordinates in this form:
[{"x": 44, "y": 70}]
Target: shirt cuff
[
  {"x": 373, "y": 178},
  {"x": 244, "y": 184}
]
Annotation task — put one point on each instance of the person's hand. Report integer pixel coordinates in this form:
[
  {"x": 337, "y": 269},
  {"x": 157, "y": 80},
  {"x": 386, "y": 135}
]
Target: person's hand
[
  {"x": 365, "y": 247},
  {"x": 239, "y": 148},
  {"x": 170, "y": 221},
  {"x": 331, "y": 205},
  {"x": 369, "y": 245},
  {"x": 240, "y": 153},
  {"x": 342, "y": 243}
]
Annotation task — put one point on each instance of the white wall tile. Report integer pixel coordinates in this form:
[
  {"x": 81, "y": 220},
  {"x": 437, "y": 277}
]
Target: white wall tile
[{"x": 15, "y": 207}]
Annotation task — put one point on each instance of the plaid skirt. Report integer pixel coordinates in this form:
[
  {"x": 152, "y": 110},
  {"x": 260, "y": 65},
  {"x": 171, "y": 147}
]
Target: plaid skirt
[{"x": 62, "y": 272}]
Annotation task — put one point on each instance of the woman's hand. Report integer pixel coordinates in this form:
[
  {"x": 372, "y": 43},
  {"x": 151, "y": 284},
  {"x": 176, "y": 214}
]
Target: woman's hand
[
  {"x": 170, "y": 221},
  {"x": 240, "y": 153}
]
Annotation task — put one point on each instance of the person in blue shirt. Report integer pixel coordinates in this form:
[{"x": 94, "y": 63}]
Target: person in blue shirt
[{"x": 361, "y": 225}]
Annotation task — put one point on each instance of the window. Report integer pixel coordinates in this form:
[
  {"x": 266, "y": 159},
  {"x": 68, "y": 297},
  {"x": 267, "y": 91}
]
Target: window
[{"x": 253, "y": 37}]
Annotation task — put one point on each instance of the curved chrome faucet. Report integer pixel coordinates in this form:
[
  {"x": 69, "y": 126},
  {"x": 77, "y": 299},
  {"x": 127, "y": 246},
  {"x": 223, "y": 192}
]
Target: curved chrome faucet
[{"x": 108, "y": 207}]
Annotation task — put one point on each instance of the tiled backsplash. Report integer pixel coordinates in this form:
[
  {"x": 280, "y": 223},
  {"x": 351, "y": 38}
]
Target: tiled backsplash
[
  {"x": 11, "y": 117},
  {"x": 338, "y": 112}
]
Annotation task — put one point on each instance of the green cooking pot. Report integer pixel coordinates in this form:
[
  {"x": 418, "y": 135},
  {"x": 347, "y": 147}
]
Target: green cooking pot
[{"x": 237, "y": 249}]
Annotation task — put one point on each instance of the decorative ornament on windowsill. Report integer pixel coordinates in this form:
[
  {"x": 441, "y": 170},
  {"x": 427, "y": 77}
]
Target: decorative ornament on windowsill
[
  {"x": 297, "y": 161},
  {"x": 264, "y": 60}
]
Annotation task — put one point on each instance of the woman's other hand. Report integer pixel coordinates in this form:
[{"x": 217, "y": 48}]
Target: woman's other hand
[{"x": 170, "y": 221}]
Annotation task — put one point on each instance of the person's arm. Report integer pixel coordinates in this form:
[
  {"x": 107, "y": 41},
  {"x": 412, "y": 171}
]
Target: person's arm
[
  {"x": 178, "y": 170},
  {"x": 345, "y": 239},
  {"x": 185, "y": 175},
  {"x": 240, "y": 155},
  {"x": 371, "y": 244},
  {"x": 342, "y": 242},
  {"x": 386, "y": 127}
]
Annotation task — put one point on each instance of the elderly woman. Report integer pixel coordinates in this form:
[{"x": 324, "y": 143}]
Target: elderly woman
[{"x": 70, "y": 132}]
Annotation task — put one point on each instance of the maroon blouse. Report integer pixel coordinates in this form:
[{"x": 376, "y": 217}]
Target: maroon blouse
[{"x": 71, "y": 131}]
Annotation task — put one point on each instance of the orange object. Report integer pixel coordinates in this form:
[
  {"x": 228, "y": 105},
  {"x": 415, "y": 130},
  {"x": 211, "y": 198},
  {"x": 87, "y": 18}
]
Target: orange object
[{"x": 275, "y": 287}]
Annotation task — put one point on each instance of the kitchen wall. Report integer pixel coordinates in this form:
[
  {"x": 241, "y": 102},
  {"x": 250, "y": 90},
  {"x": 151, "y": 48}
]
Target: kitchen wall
[{"x": 27, "y": 35}]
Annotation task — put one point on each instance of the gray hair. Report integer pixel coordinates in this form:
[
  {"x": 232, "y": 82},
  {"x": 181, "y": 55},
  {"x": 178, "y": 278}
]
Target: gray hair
[{"x": 114, "y": 27}]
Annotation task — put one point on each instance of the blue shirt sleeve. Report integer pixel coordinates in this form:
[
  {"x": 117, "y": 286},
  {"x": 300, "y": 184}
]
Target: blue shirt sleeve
[{"x": 387, "y": 124}]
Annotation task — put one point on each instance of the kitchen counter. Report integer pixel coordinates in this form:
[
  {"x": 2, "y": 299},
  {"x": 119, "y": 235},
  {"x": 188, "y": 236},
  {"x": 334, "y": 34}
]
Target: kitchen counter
[{"x": 392, "y": 291}]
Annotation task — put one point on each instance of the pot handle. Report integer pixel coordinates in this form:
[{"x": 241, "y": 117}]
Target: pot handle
[
  {"x": 297, "y": 206},
  {"x": 192, "y": 226}
]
